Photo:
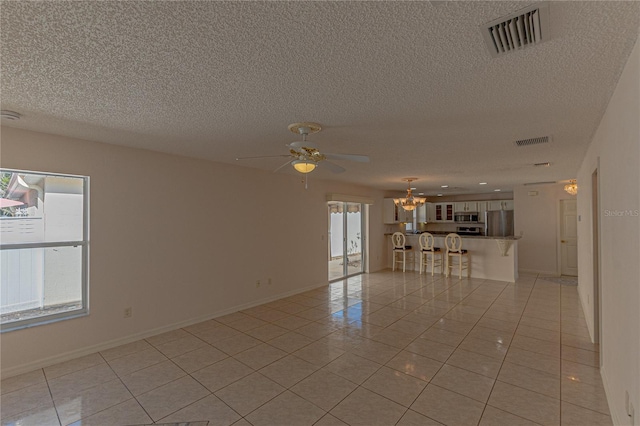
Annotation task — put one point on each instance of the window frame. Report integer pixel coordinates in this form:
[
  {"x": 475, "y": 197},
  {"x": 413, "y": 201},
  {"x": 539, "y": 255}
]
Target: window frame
[{"x": 84, "y": 244}]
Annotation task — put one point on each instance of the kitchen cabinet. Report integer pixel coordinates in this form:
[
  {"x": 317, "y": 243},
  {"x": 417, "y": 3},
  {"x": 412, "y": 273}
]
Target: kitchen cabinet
[
  {"x": 441, "y": 212},
  {"x": 431, "y": 212},
  {"x": 483, "y": 206},
  {"x": 466, "y": 206},
  {"x": 426, "y": 213},
  {"x": 389, "y": 211},
  {"x": 405, "y": 216},
  {"x": 494, "y": 205},
  {"x": 395, "y": 214},
  {"x": 501, "y": 205},
  {"x": 444, "y": 212}
]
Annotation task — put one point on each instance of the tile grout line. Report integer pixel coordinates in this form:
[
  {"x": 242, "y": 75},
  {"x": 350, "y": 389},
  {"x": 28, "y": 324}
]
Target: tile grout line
[
  {"x": 330, "y": 299},
  {"x": 466, "y": 335},
  {"x": 127, "y": 388},
  {"x": 561, "y": 350},
  {"x": 505, "y": 355},
  {"x": 55, "y": 407},
  {"x": 406, "y": 409},
  {"x": 330, "y": 372},
  {"x": 443, "y": 363}
]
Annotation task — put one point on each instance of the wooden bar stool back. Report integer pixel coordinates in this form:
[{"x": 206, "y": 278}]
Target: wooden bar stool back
[
  {"x": 429, "y": 254},
  {"x": 400, "y": 247},
  {"x": 453, "y": 242}
]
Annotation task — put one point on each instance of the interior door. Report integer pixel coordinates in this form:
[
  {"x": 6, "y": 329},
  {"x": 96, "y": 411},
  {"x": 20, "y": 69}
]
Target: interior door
[{"x": 569, "y": 237}]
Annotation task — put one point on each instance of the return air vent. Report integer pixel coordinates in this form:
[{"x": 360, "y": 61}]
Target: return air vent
[
  {"x": 533, "y": 141},
  {"x": 525, "y": 28}
]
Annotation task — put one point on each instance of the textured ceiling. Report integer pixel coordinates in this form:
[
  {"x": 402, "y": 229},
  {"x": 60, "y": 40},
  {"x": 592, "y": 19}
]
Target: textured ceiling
[{"x": 411, "y": 84}]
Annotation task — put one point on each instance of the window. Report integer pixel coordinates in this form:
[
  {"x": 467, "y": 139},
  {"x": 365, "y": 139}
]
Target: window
[{"x": 44, "y": 248}]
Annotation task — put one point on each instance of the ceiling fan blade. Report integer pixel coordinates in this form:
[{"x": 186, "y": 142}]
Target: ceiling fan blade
[
  {"x": 263, "y": 156},
  {"x": 285, "y": 164},
  {"x": 349, "y": 157},
  {"x": 302, "y": 144},
  {"x": 332, "y": 166}
]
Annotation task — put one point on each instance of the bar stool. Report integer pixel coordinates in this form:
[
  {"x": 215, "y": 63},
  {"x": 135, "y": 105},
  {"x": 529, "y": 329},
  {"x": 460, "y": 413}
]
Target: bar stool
[
  {"x": 399, "y": 246},
  {"x": 427, "y": 250},
  {"x": 454, "y": 249}
]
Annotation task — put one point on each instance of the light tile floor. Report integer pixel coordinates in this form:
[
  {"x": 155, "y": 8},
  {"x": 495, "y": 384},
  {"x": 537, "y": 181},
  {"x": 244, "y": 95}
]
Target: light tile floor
[{"x": 388, "y": 348}]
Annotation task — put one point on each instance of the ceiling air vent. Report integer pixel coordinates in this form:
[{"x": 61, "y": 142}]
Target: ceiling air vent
[
  {"x": 533, "y": 141},
  {"x": 547, "y": 164},
  {"x": 525, "y": 28}
]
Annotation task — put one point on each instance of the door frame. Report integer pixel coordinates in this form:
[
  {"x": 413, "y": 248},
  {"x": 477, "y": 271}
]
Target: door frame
[
  {"x": 559, "y": 233},
  {"x": 595, "y": 230},
  {"x": 363, "y": 239}
]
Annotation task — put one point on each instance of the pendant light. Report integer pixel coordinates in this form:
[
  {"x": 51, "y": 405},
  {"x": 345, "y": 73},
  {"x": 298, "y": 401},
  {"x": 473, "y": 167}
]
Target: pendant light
[
  {"x": 410, "y": 202},
  {"x": 571, "y": 187}
]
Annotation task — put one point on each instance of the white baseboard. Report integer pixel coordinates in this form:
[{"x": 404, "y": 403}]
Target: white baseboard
[
  {"x": 615, "y": 418},
  {"x": 588, "y": 316},
  {"x": 538, "y": 271},
  {"x": 67, "y": 356}
]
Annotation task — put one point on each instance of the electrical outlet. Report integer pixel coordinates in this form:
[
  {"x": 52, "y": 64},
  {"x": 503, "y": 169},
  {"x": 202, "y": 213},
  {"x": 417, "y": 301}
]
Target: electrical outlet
[
  {"x": 128, "y": 312},
  {"x": 269, "y": 281},
  {"x": 257, "y": 283}
]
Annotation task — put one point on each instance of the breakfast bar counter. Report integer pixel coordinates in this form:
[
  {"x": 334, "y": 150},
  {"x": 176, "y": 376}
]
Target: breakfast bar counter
[{"x": 494, "y": 258}]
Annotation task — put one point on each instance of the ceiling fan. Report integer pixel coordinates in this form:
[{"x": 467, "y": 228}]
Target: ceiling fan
[{"x": 305, "y": 156}]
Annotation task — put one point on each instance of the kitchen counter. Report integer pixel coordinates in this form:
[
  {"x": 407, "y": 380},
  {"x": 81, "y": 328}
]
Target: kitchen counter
[
  {"x": 494, "y": 258},
  {"x": 444, "y": 234}
]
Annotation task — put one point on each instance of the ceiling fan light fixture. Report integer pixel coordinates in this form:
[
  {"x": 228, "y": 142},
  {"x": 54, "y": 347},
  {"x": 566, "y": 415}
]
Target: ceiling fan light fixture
[
  {"x": 410, "y": 202},
  {"x": 303, "y": 166}
]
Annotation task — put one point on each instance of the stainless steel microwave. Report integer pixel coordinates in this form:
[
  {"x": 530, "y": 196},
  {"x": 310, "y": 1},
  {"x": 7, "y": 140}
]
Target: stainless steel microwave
[{"x": 466, "y": 217}]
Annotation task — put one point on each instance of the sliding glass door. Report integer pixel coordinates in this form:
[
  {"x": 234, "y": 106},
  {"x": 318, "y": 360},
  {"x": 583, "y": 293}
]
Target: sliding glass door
[{"x": 346, "y": 239}]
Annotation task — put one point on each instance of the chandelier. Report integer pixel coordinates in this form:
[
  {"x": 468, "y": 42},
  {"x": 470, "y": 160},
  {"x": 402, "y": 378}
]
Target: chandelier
[
  {"x": 571, "y": 187},
  {"x": 410, "y": 202}
]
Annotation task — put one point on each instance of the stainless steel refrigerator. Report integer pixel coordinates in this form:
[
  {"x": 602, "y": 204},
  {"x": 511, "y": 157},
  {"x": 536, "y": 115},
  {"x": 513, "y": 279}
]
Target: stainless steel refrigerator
[{"x": 498, "y": 223}]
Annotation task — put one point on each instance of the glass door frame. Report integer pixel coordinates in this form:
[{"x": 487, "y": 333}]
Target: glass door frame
[{"x": 362, "y": 209}]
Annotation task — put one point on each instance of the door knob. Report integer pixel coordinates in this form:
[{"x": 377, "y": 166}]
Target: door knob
[{"x": 562, "y": 241}]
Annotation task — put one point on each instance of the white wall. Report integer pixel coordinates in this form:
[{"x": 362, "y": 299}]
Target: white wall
[
  {"x": 537, "y": 220},
  {"x": 616, "y": 144},
  {"x": 178, "y": 240}
]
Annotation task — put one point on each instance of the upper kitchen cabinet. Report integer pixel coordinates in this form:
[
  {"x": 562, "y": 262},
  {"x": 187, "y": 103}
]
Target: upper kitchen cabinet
[
  {"x": 444, "y": 212},
  {"x": 405, "y": 216},
  {"x": 501, "y": 205},
  {"x": 389, "y": 211},
  {"x": 426, "y": 213},
  {"x": 483, "y": 206},
  {"x": 466, "y": 206},
  {"x": 395, "y": 214}
]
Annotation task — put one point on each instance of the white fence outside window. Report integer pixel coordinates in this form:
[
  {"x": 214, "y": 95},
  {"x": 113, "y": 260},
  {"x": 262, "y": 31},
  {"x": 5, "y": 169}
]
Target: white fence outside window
[{"x": 44, "y": 247}]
